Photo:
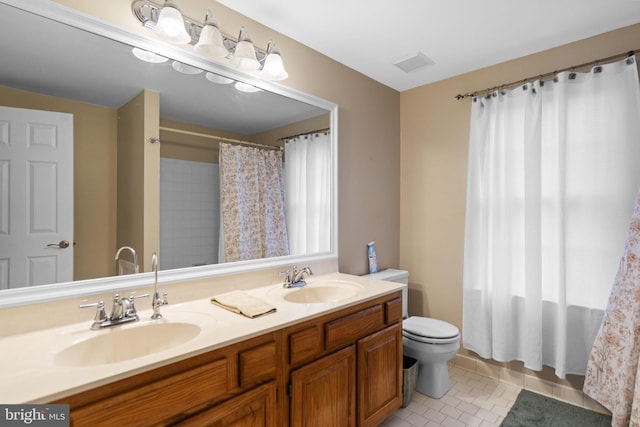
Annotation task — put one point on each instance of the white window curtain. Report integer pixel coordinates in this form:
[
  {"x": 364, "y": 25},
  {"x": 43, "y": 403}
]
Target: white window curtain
[
  {"x": 308, "y": 192},
  {"x": 251, "y": 203},
  {"x": 553, "y": 172}
]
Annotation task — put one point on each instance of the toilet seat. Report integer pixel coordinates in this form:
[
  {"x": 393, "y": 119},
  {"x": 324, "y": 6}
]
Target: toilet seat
[{"x": 430, "y": 331}]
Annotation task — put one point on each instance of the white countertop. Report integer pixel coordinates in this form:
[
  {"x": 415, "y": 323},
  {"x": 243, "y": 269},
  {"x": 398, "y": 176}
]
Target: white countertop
[{"x": 30, "y": 373}]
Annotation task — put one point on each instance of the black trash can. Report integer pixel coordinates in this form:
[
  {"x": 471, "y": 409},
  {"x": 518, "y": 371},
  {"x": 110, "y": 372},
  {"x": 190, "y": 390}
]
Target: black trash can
[{"x": 409, "y": 378}]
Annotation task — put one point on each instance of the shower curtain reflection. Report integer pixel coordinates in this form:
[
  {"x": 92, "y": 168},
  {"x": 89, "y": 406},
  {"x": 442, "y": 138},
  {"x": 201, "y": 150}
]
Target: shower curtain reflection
[
  {"x": 308, "y": 192},
  {"x": 252, "y": 203}
]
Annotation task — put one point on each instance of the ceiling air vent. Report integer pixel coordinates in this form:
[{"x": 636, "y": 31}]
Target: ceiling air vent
[{"x": 414, "y": 63}]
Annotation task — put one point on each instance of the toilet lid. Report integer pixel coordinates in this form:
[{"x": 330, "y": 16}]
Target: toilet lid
[{"x": 429, "y": 330}]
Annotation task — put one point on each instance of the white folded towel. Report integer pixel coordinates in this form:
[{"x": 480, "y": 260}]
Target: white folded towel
[{"x": 242, "y": 303}]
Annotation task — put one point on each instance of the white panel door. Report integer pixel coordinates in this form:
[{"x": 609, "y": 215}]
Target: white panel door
[{"x": 36, "y": 197}]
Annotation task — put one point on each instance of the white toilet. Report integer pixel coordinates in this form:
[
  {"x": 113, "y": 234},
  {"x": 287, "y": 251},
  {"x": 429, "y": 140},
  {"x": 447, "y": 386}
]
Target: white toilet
[{"x": 431, "y": 342}]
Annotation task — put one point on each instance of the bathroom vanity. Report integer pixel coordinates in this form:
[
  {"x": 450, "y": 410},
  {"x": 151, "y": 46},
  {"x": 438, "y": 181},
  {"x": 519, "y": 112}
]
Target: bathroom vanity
[{"x": 336, "y": 360}]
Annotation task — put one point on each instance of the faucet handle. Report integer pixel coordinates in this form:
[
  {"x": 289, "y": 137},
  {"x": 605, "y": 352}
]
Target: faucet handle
[
  {"x": 287, "y": 277},
  {"x": 99, "y": 304},
  {"x": 101, "y": 315},
  {"x": 130, "y": 310},
  {"x": 163, "y": 300}
]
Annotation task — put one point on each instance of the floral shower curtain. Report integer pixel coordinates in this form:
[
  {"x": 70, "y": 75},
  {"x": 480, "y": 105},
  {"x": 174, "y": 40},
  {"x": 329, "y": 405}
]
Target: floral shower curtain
[
  {"x": 612, "y": 376},
  {"x": 308, "y": 192},
  {"x": 252, "y": 203},
  {"x": 553, "y": 170}
]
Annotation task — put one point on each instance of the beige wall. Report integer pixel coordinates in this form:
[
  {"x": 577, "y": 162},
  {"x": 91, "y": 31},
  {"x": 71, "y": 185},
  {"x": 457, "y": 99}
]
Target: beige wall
[
  {"x": 194, "y": 147},
  {"x": 434, "y": 161},
  {"x": 176, "y": 145},
  {"x": 94, "y": 175},
  {"x": 276, "y": 136},
  {"x": 138, "y": 176},
  {"x": 369, "y": 129}
]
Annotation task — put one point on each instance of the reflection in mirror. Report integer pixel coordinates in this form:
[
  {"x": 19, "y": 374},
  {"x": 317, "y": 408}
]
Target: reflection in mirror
[{"x": 127, "y": 190}]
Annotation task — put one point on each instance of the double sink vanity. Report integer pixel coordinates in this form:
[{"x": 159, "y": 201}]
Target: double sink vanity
[{"x": 330, "y": 355}]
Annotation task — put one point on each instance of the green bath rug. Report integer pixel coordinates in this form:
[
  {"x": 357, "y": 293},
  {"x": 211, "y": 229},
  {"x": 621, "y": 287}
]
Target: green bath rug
[{"x": 536, "y": 410}]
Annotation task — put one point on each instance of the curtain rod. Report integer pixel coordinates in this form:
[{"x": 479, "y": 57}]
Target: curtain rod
[
  {"x": 220, "y": 138},
  {"x": 547, "y": 75},
  {"x": 305, "y": 133}
]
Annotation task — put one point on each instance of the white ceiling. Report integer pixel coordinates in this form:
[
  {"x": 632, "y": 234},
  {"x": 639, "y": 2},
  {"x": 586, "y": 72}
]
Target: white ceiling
[{"x": 458, "y": 35}]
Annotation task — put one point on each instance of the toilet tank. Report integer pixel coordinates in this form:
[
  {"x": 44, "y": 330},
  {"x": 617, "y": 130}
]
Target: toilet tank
[{"x": 398, "y": 276}]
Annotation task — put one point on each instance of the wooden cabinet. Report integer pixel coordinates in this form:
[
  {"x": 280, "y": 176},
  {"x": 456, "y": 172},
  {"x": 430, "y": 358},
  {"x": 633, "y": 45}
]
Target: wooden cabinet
[
  {"x": 320, "y": 354},
  {"x": 340, "y": 369},
  {"x": 379, "y": 375},
  {"x": 323, "y": 393}
]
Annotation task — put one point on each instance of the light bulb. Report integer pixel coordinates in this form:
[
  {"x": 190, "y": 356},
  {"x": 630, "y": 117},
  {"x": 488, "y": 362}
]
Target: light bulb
[
  {"x": 170, "y": 26},
  {"x": 210, "y": 42},
  {"x": 273, "y": 68},
  {"x": 244, "y": 56}
]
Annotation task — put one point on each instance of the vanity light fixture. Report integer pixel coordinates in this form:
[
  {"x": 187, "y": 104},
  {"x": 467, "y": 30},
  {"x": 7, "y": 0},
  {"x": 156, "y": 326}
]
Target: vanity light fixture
[
  {"x": 208, "y": 40},
  {"x": 147, "y": 56},
  {"x": 246, "y": 87},
  {"x": 273, "y": 68},
  {"x": 170, "y": 25},
  {"x": 218, "y": 79},
  {"x": 184, "y": 68},
  {"x": 244, "y": 55}
]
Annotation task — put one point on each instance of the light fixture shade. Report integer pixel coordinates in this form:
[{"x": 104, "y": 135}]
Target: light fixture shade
[
  {"x": 170, "y": 26},
  {"x": 184, "y": 68},
  {"x": 147, "y": 56},
  {"x": 273, "y": 68},
  {"x": 246, "y": 87},
  {"x": 210, "y": 42},
  {"x": 218, "y": 79},
  {"x": 244, "y": 57}
]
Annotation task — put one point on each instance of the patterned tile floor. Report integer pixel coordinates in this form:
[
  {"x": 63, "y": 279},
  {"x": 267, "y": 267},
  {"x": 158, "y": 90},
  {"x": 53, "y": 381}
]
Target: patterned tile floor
[{"x": 474, "y": 400}]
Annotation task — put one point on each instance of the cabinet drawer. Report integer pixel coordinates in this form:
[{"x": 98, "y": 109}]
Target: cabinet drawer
[
  {"x": 257, "y": 364},
  {"x": 348, "y": 329},
  {"x": 393, "y": 311},
  {"x": 253, "y": 408},
  {"x": 156, "y": 403},
  {"x": 305, "y": 345}
]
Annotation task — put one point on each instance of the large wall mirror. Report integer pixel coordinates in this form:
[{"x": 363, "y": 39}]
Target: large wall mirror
[{"x": 56, "y": 60}]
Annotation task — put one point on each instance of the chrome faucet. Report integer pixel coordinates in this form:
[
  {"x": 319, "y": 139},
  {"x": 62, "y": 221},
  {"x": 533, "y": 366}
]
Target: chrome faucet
[
  {"x": 135, "y": 257},
  {"x": 295, "y": 279},
  {"x": 157, "y": 302},
  {"x": 123, "y": 311}
]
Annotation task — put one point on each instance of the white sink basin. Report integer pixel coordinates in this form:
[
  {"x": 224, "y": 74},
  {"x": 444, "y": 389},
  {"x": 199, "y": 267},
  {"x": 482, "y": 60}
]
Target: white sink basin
[
  {"x": 118, "y": 344},
  {"x": 322, "y": 292}
]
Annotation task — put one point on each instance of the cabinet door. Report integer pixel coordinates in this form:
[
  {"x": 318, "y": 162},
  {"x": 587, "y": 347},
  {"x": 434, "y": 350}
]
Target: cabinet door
[
  {"x": 255, "y": 408},
  {"x": 323, "y": 392},
  {"x": 379, "y": 375}
]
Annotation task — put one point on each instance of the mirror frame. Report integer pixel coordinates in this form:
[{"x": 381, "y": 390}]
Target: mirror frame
[{"x": 44, "y": 293}]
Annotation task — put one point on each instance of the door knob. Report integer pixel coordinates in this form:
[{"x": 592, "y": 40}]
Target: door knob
[{"x": 62, "y": 244}]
